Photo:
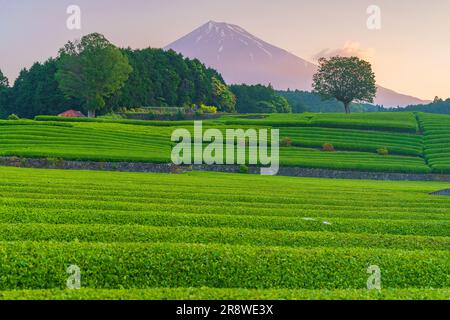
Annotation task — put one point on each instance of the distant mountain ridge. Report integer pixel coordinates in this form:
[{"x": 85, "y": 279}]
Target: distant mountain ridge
[{"x": 243, "y": 58}]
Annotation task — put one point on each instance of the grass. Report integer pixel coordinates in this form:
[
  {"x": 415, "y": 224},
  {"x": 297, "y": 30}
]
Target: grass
[{"x": 208, "y": 235}]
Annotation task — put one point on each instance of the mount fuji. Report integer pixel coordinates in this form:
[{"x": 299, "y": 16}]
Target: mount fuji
[{"x": 243, "y": 58}]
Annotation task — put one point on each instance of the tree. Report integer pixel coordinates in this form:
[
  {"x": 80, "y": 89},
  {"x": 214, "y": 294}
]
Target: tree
[
  {"x": 4, "y": 90},
  {"x": 281, "y": 104},
  {"x": 159, "y": 78},
  {"x": 259, "y": 99},
  {"x": 437, "y": 100},
  {"x": 346, "y": 79},
  {"x": 36, "y": 92},
  {"x": 92, "y": 69},
  {"x": 223, "y": 98},
  {"x": 3, "y": 81},
  {"x": 167, "y": 79}
]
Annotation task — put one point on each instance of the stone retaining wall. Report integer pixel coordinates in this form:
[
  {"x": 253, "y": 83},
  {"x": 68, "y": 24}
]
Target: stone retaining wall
[
  {"x": 171, "y": 168},
  {"x": 445, "y": 192}
]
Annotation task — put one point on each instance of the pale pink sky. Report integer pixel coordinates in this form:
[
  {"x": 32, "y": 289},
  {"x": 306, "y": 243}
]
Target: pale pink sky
[{"x": 410, "y": 54}]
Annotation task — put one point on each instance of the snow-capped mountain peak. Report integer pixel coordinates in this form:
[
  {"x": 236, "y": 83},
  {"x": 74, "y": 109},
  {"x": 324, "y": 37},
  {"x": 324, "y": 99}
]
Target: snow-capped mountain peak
[
  {"x": 244, "y": 58},
  {"x": 223, "y": 37}
]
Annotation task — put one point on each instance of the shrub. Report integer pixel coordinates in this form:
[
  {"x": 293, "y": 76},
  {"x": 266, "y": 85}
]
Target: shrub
[
  {"x": 208, "y": 109},
  {"x": 286, "y": 142},
  {"x": 328, "y": 147},
  {"x": 383, "y": 151},
  {"x": 111, "y": 116},
  {"x": 13, "y": 117},
  {"x": 243, "y": 169},
  {"x": 199, "y": 112}
]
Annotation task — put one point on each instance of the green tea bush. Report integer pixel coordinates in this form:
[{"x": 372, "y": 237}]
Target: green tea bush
[
  {"x": 383, "y": 151},
  {"x": 122, "y": 142},
  {"x": 243, "y": 169},
  {"x": 137, "y": 235}
]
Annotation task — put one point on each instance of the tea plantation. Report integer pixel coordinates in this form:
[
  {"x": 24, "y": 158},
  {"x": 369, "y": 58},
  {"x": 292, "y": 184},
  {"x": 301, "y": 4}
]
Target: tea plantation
[
  {"x": 149, "y": 141},
  {"x": 226, "y": 236},
  {"x": 437, "y": 140},
  {"x": 210, "y": 236}
]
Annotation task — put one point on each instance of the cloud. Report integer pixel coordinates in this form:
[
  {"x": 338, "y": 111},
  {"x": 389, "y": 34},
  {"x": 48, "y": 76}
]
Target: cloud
[{"x": 350, "y": 49}]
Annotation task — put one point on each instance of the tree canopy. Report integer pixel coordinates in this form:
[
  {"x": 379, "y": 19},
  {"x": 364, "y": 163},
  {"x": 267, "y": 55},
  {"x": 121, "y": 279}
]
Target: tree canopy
[
  {"x": 304, "y": 101},
  {"x": 4, "y": 83},
  {"x": 92, "y": 69},
  {"x": 222, "y": 96},
  {"x": 259, "y": 99},
  {"x": 159, "y": 79},
  {"x": 167, "y": 79},
  {"x": 4, "y": 91},
  {"x": 346, "y": 79}
]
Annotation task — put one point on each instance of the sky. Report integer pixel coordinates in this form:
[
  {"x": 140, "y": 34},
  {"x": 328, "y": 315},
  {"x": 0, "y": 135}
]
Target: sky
[{"x": 410, "y": 52}]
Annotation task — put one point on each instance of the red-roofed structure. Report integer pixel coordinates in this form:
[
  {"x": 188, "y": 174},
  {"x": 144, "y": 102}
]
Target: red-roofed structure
[{"x": 72, "y": 114}]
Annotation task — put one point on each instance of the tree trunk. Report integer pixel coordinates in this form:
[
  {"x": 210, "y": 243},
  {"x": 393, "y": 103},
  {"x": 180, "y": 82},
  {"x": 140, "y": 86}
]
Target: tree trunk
[
  {"x": 347, "y": 107},
  {"x": 91, "y": 113}
]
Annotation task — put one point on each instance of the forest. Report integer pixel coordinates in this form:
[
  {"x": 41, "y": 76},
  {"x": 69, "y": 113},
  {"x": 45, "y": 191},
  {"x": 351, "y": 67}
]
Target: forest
[{"x": 158, "y": 79}]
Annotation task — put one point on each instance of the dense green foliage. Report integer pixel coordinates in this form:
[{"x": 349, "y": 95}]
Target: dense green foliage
[
  {"x": 159, "y": 78},
  {"x": 400, "y": 134},
  {"x": 165, "y": 78},
  {"x": 359, "y": 161},
  {"x": 304, "y": 101},
  {"x": 376, "y": 121},
  {"x": 4, "y": 91},
  {"x": 134, "y": 235},
  {"x": 355, "y": 140},
  {"x": 345, "y": 79},
  {"x": 36, "y": 91},
  {"x": 259, "y": 99},
  {"x": 149, "y": 141},
  {"x": 227, "y": 294},
  {"x": 4, "y": 83},
  {"x": 409, "y": 148},
  {"x": 222, "y": 96},
  {"x": 91, "y": 69},
  {"x": 436, "y": 129},
  {"x": 438, "y": 106}
]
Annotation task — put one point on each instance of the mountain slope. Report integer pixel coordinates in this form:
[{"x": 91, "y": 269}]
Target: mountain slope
[
  {"x": 243, "y": 58},
  {"x": 390, "y": 98}
]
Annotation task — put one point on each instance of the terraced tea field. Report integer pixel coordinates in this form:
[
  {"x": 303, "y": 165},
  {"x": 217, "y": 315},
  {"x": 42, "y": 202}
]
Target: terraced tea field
[
  {"x": 437, "y": 140},
  {"x": 355, "y": 140},
  {"x": 149, "y": 141},
  {"x": 376, "y": 121},
  {"x": 206, "y": 236}
]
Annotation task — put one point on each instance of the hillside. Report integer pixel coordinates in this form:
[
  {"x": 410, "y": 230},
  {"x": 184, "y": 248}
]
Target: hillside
[
  {"x": 213, "y": 235},
  {"x": 438, "y": 106},
  {"x": 356, "y": 139},
  {"x": 155, "y": 236},
  {"x": 159, "y": 78},
  {"x": 304, "y": 101}
]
